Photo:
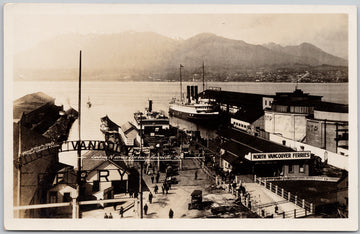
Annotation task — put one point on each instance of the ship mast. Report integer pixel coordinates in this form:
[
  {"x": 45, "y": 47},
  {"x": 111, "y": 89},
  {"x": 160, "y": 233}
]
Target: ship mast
[
  {"x": 203, "y": 73},
  {"x": 181, "y": 83}
]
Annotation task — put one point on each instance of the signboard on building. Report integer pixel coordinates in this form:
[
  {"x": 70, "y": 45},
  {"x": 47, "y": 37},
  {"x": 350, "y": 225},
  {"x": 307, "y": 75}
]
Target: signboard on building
[{"x": 280, "y": 156}]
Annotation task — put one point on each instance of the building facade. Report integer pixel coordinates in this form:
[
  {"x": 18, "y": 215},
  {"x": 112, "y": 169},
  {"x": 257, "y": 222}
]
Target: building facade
[
  {"x": 328, "y": 128},
  {"x": 288, "y": 112}
]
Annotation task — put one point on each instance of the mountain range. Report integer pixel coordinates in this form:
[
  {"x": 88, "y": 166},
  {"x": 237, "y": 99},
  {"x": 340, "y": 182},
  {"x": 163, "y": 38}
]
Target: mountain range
[{"x": 123, "y": 54}]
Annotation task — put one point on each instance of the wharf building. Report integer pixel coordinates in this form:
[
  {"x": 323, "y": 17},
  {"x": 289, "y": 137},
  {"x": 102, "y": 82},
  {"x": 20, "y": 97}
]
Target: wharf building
[
  {"x": 304, "y": 122},
  {"x": 288, "y": 112},
  {"x": 36, "y": 121},
  {"x": 297, "y": 120},
  {"x": 246, "y": 154},
  {"x": 285, "y": 137},
  {"x": 328, "y": 128},
  {"x": 106, "y": 178},
  {"x": 243, "y": 111}
]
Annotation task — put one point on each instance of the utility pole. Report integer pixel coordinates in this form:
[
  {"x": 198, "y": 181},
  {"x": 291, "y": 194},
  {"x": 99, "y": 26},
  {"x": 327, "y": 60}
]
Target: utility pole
[
  {"x": 141, "y": 170},
  {"x": 77, "y": 210}
]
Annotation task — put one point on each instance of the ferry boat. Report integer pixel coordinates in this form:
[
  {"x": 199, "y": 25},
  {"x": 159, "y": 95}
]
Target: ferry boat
[
  {"x": 153, "y": 123},
  {"x": 194, "y": 108}
]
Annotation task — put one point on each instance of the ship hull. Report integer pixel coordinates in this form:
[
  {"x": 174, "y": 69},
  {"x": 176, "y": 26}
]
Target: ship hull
[{"x": 194, "y": 117}]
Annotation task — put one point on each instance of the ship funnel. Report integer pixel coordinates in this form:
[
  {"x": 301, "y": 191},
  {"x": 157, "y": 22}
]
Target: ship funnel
[
  {"x": 150, "y": 105},
  {"x": 192, "y": 92},
  {"x": 188, "y": 93},
  {"x": 196, "y": 95}
]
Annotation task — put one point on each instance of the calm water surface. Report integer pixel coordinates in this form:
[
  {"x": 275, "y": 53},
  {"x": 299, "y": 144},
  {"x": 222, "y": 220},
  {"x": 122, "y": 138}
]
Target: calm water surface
[{"x": 119, "y": 100}]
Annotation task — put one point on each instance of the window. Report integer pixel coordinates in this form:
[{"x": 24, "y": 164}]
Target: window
[
  {"x": 67, "y": 197},
  {"x": 265, "y": 102},
  {"x": 96, "y": 186},
  {"x": 291, "y": 169},
  {"x": 301, "y": 168},
  {"x": 284, "y": 142}
]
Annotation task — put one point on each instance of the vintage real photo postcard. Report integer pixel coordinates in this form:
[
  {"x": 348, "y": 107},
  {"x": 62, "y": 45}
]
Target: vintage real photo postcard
[{"x": 180, "y": 117}]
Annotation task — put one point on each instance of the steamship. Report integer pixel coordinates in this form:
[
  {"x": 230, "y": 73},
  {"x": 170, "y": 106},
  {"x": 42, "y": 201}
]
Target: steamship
[
  {"x": 153, "y": 123},
  {"x": 194, "y": 108}
]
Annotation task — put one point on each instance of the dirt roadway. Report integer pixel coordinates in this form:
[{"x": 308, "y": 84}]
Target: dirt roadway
[
  {"x": 179, "y": 194},
  {"x": 178, "y": 198}
]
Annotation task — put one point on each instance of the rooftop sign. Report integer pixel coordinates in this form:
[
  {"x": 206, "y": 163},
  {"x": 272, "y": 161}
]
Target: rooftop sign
[{"x": 280, "y": 156}]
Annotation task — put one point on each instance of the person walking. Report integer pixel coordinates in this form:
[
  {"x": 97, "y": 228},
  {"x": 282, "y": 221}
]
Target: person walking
[
  {"x": 166, "y": 188},
  {"x": 196, "y": 175},
  {"x": 171, "y": 213},
  {"x": 152, "y": 179},
  {"x": 157, "y": 177},
  {"x": 156, "y": 189},
  {"x": 121, "y": 212},
  {"x": 162, "y": 189},
  {"x": 150, "y": 197},
  {"x": 110, "y": 216},
  {"x": 106, "y": 216},
  {"x": 146, "y": 209}
]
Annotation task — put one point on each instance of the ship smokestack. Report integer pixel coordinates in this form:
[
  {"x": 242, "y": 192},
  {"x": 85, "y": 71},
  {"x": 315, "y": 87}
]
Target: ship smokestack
[
  {"x": 188, "y": 93},
  {"x": 192, "y": 92},
  {"x": 150, "y": 105},
  {"x": 196, "y": 93}
]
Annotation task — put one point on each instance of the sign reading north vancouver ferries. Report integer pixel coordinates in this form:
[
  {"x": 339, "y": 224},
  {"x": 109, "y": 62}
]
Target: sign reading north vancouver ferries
[{"x": 280, "y": 156}]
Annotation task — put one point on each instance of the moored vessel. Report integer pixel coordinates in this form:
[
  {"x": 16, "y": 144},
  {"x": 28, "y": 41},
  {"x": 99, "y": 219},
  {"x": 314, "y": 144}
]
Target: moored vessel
[
  {"x": 153, "y": 123},
  {"x": 193, "y": 108}
]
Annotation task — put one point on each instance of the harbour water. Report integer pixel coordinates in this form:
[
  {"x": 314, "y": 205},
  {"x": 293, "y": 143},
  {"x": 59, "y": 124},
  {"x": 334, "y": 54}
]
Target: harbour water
[{"x": 119, "y": 100}]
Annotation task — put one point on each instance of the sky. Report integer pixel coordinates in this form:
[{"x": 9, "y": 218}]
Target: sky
[{"x": 32, "y": 24}]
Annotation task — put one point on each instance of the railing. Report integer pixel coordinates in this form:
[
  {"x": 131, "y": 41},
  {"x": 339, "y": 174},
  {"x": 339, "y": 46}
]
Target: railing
[
  {"x": 207, "y": 171},
  {"x": 307, "y": 206},
  {"x": 309, "y": 178},
  {"x": 263, "y": 209}
]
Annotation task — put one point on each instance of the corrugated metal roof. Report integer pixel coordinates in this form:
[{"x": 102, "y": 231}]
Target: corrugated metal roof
[
  {"x": 229, "y": 158},
  {"x": 242, "y": 142},
  {"x": 237, "y": 98},
  {"x": 93, "y": 159}
]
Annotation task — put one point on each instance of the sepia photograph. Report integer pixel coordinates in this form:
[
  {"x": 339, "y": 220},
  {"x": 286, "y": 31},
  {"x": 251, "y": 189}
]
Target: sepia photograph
[{"x": 180, "y": 117}]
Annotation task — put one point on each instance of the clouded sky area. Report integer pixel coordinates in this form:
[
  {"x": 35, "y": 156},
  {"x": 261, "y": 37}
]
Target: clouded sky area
[{"x": 327, "y": 31}]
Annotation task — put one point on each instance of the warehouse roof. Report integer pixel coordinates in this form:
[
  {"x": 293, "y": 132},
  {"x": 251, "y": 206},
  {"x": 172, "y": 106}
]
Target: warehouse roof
[
  {"x": 30, "y": 103},
  {"x": 241, "y": 143},
  {"x": 236, "y": 98}
]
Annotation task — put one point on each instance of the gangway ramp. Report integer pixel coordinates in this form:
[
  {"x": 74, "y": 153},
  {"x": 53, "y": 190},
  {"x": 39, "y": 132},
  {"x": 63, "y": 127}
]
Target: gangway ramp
[{"x": 264, "y": 201}]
